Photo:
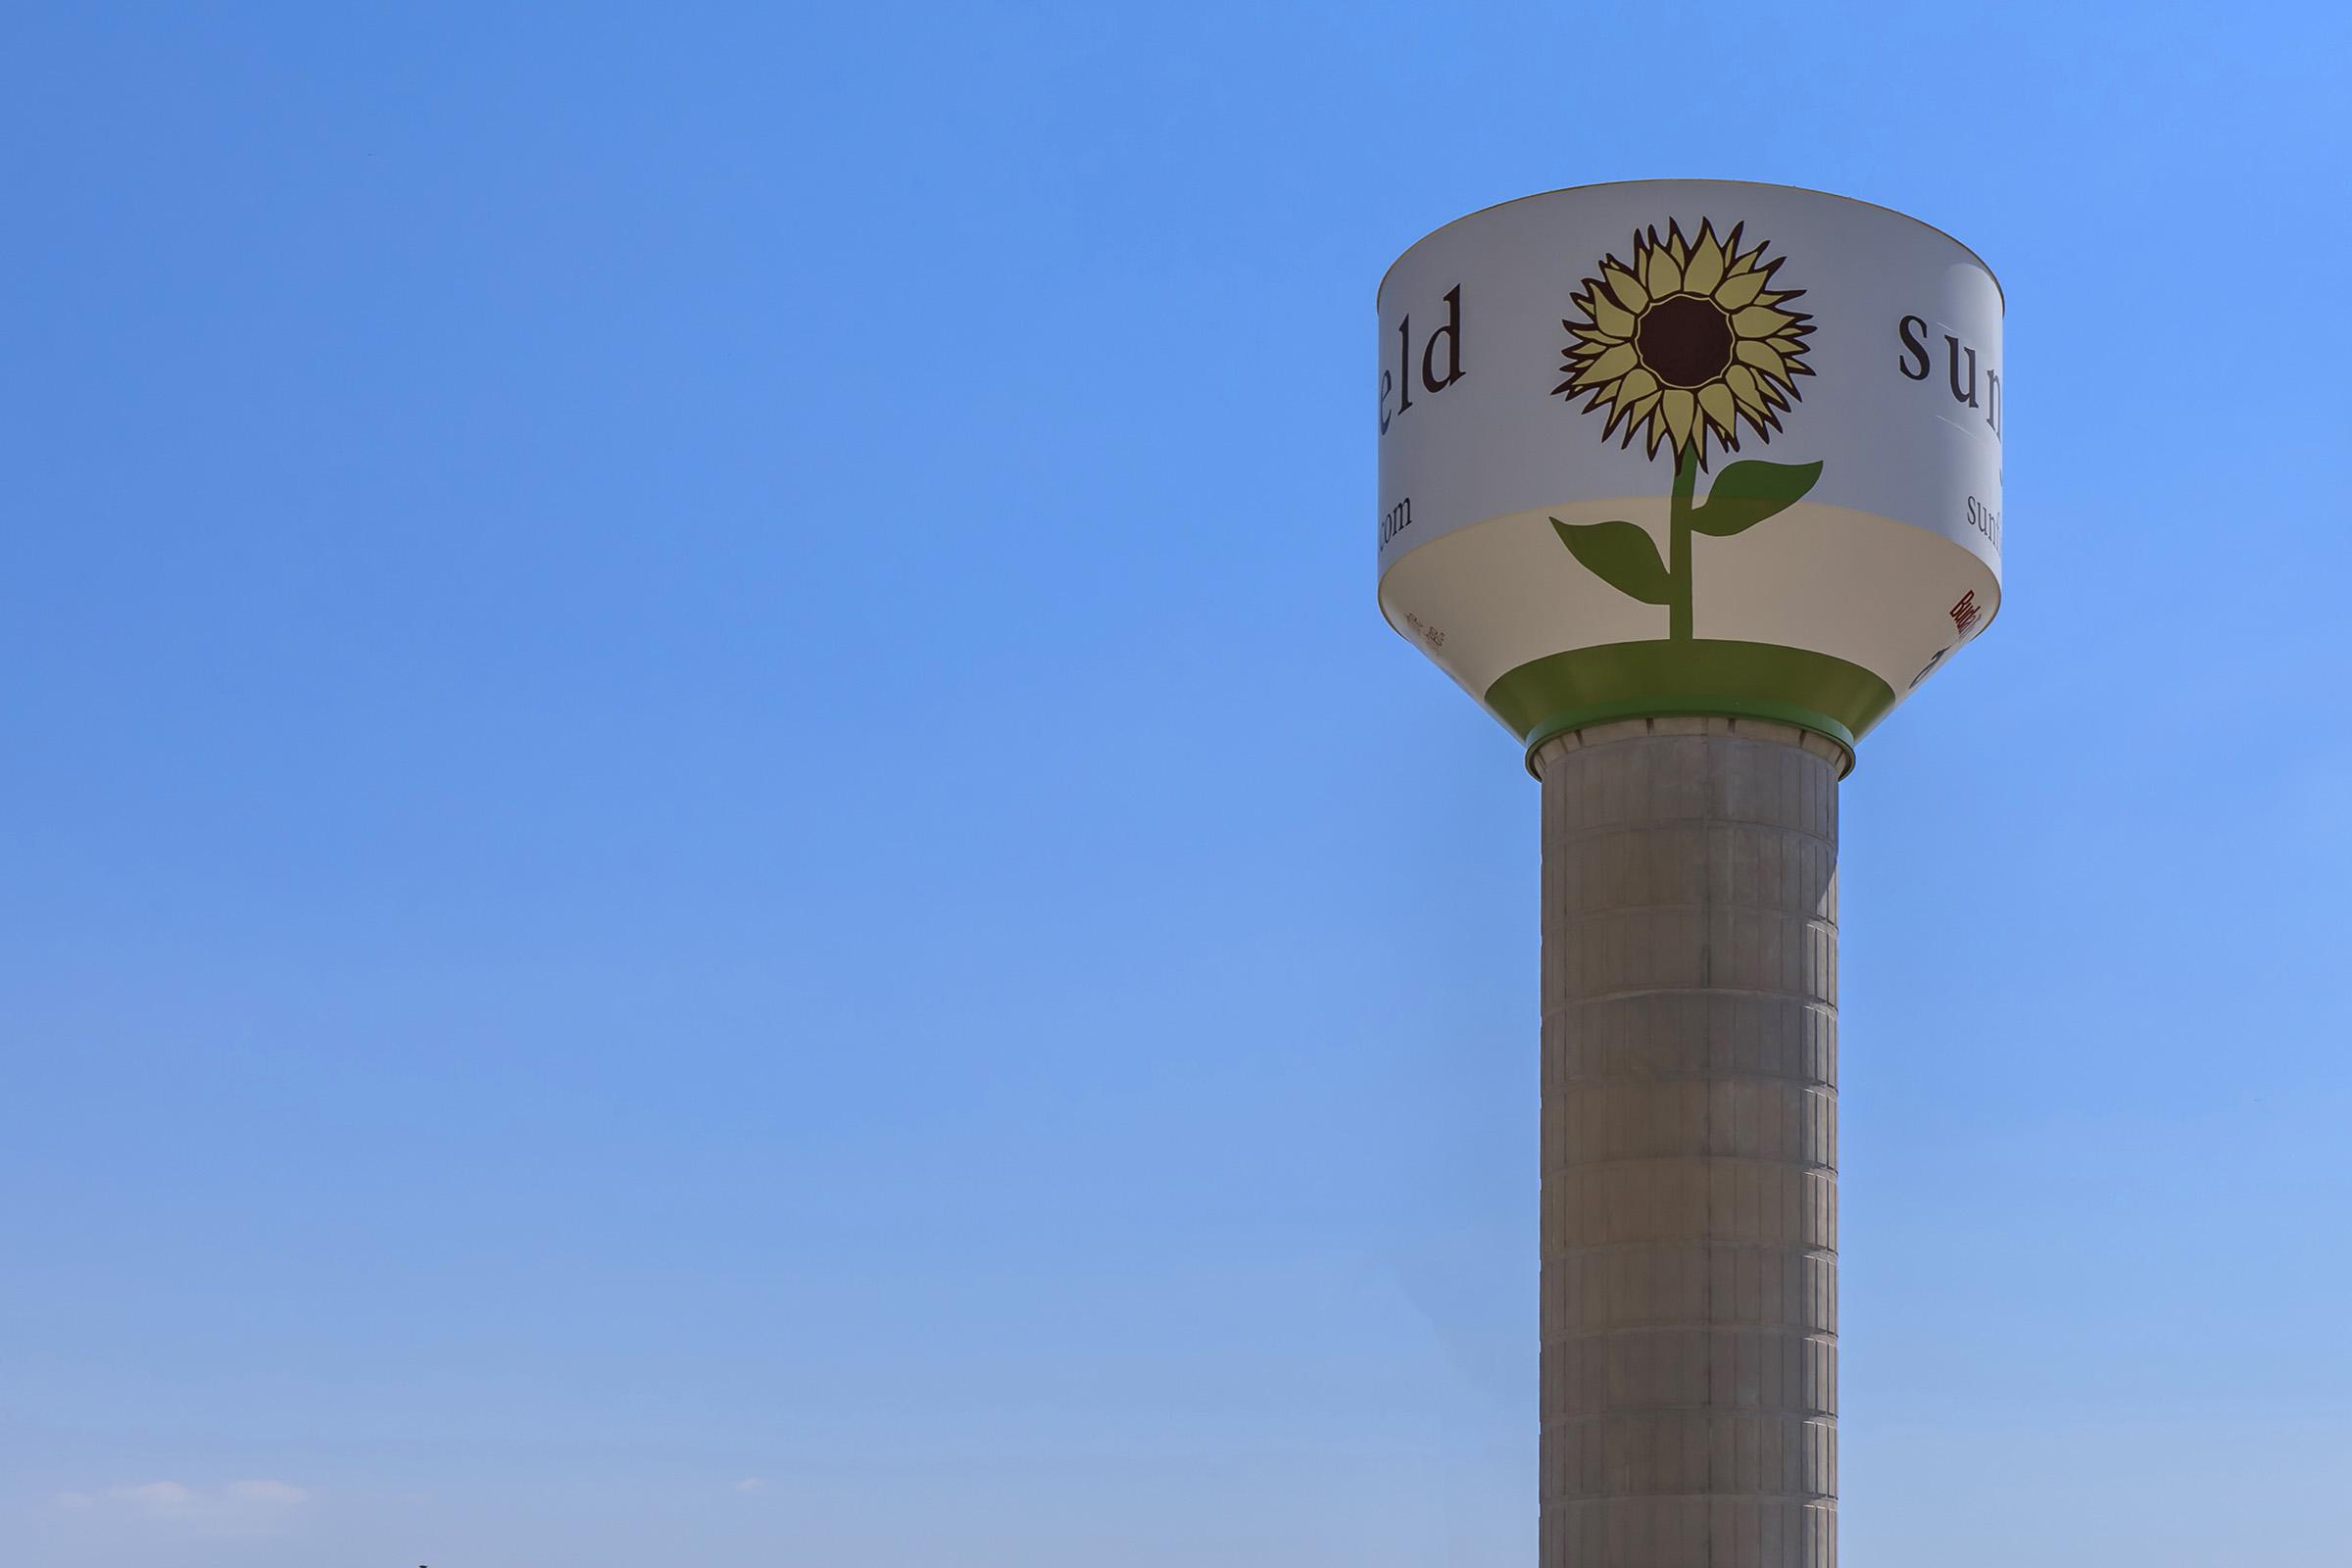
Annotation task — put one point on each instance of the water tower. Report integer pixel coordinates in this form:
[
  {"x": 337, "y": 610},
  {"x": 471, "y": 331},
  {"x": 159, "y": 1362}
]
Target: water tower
[{"x": 1689, "y": 483}]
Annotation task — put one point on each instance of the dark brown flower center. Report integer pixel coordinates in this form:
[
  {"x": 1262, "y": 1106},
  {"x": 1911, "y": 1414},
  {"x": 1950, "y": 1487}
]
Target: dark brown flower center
[{"x": 1685, "y": 341}]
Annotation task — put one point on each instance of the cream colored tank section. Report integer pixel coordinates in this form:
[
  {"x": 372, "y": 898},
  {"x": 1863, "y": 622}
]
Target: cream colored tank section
[{"x": 1894, "y": 599}]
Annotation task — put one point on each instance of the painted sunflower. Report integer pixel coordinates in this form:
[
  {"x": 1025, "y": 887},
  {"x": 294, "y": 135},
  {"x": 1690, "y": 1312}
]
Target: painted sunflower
[{"x": 1687, "y": 341}]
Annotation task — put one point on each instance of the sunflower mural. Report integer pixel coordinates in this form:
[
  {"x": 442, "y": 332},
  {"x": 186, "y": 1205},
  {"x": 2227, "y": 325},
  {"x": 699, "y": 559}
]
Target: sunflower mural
[{"x": 1682, "y": 346}]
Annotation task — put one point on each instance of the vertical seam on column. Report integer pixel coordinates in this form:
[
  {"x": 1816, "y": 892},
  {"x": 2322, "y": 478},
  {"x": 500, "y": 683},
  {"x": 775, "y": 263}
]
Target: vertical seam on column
[{"x": 1706, "y": 1120}]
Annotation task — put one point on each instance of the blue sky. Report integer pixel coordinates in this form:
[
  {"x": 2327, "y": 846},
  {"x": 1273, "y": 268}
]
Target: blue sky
[{"x": 714, "y": 855}]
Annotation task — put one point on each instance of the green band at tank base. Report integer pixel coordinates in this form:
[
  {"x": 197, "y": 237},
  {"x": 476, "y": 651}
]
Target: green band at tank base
[
  {"x": 1693, "y": 708},
  {"x": 1669, "y": 680}
]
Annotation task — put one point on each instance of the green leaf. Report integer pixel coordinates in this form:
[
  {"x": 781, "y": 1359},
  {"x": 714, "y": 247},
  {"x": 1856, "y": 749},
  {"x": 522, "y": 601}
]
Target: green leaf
[
  {"x": 1620, "y": 554},
  {"x": 1747, "y": 493}
]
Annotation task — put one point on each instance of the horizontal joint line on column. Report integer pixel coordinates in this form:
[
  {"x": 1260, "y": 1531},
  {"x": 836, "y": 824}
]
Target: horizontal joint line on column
[
  {"x": 1825, "y": 1420},
  {"x": 1826, "y": 1254},
  {"x": 1810, "y": 1085},
  {"x": 1807, "y": 1499},
  {"x": 1699, "y": 990},
  {"x": 1825, "y": 1085},
  {"x": 1628, "y": 828},
  {"x": 1690, "y": 1158},
  {"x": 1578, "y": 917},
  {"x": 1801, "y": 1330},
  {"x": 1799, "y": 999}
]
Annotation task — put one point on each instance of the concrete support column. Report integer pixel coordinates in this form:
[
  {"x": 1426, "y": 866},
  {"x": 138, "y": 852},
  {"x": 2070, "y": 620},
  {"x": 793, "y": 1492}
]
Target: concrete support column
[{"x": 1689, "y": 1388}]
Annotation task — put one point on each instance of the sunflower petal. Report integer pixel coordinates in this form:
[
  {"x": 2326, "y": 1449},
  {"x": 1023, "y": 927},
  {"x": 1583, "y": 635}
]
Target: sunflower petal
[
  {"x": 1679, "y": 408},
  {"x": 1626, "y": 288},
  {"x": 1716, "y": 401},
  {"x": 1759, "y": 321},
  {"x": 1638, "y": 385},
  {"x": 1612, "y": 364},
  {"x": 1764, "y": 357},
  {"x": 1639, "y": 414},
  {"x": 1621, "y": 411},
  {"x": 1704, "y": 270},
  {"x": 1662, "y": 274},
  {"x": 1739, "y": 289},
  {"x": 1741, "y": 383},
  {"x": 1611, "y": 317}
]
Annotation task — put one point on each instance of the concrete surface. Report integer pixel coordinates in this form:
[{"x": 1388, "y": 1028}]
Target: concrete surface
[{"x": 1690, "y": 1209}]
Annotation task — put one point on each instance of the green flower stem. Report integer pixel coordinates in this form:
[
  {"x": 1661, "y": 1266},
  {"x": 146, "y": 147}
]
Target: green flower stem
[{"x": 1678, "y": 565}]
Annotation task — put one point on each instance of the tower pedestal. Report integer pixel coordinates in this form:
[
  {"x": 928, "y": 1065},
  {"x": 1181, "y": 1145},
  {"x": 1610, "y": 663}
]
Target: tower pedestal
[{"x": 1689, "y": 1124}]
